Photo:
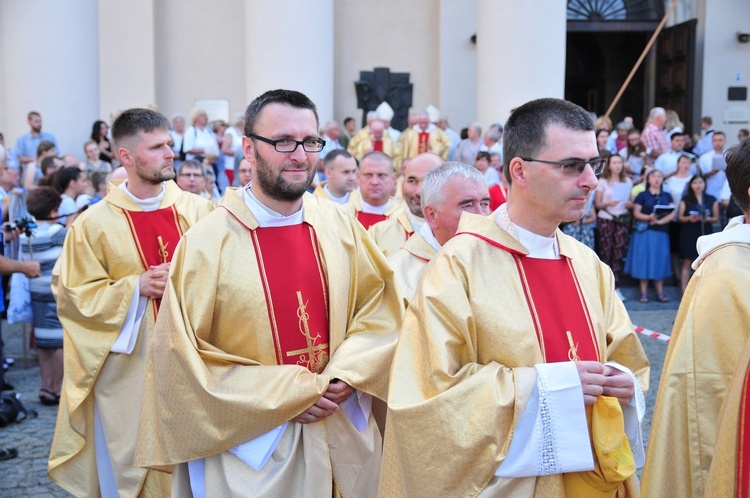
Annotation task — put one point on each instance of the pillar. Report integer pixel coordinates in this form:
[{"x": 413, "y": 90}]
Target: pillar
[{"x": 520, "y": 54}]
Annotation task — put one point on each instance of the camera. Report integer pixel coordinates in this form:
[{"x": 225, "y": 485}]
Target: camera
[
  {"x": 743, "y": 37},
  {"x": 25, "y": 224}
]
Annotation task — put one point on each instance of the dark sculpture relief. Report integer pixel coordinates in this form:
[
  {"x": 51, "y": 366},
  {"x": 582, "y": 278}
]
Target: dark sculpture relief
[{"x": 381, "y": 85}]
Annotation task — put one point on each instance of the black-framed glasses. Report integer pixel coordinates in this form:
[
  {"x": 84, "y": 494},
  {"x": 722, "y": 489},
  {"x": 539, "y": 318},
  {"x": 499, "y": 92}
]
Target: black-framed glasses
[
  {"x": 287, "y": 145},
  {"x": 574, "y": 167}
]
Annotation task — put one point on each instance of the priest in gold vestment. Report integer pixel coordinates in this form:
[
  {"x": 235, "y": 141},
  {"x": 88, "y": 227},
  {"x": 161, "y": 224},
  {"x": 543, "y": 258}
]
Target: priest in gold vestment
[
  {"x": 392, "y": 234},
  {"x": 709, "y": 335},
  {"x": 374, "y": 202},
  {"x": 446, "y": 192},
  {"x": 264, "y": 381},
  {"x": 515, "y": 342},
  {"x": 423, "y": 137},
  {"x": 375, "y": 139},
  {"x": 108, "y": 282}
]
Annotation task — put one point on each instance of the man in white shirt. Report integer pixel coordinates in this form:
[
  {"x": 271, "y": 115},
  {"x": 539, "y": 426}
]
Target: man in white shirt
[
  {"x": 713, "y": 165},
  {"x": 341, "y": 170},
  {"x": 667, "y": 162}
]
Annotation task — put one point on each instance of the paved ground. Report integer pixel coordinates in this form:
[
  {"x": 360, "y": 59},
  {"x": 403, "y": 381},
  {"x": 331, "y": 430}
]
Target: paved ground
[{"x": 26, "y": 475}]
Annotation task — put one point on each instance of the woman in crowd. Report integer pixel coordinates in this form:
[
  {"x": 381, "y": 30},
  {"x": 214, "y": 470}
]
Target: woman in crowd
[
  {"x": 602, "y": 137},
  {"x": 99, "y": 136},
  {"x": 178, "y": 134},
  {"x": 482, "y": 163},
  {"x": 614, "y": 217},
  {"x": 673, "y": 124},
  {"x": 199, "y": 141},
  {"x": 676, "y": 185},
  {"x": 69, "y": 182},
  {"x": 648, "y": 252},
  {"x": 93, "y": 162},
  {"x": 32, "y": 172},
  {"x": 45, "y": 246},
  {"x": 467, "y": 149},
  {"x": 231, "y": 147},
  {"x": 634, "y": 154},
  {"x": 697, "y": 213}
]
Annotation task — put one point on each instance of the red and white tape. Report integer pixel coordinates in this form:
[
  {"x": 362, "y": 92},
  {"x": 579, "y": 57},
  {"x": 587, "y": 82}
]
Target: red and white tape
[{"x": 651, "y": 333}]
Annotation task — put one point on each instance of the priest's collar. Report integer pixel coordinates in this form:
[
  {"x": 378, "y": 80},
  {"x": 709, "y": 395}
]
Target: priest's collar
[
  {"x": 338, "y": 200},
  {"x": 148, "y": 204},
  {"x": 420, "y": 130},
  {"x": 417, "y": 222},
  {"x": 370, "y": 209},
  {"x": 266, "y": 216},
  {"x": 429, "y": 237},
  {"x": 539, "y": 246}
]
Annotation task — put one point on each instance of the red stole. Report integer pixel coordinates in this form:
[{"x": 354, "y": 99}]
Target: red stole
[
  {"x": 296, "y": 293},
  {"x": 369, "y": 219},
  {"x": 497, "y": 196},
  {"x": 156, "y": 234},
  {"x": 558, "y": 309},
  {"x": 424, "y": 142},
  {"x": 742, "y": 480},
  {"x": 377, "y": 145}
]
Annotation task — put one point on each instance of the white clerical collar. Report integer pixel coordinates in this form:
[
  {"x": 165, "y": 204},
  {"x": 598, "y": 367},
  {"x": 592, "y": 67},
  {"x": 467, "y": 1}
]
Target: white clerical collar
[
  {"x": 266, "y": 216},
  {"x": 149, "y": 204},
  {"x": 370, "y": 209},
  {"x": 338, "y": 200},
  {"x": 429, "y": 237},
  {"x": 419, "y": 130},
  {"x": 417, "y": 222},
  {"x": 539, "y": 247}
]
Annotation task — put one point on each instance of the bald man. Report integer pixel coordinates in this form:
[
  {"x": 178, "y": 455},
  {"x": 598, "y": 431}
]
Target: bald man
[
  {"x": 391, "y": 234},
  {"x": 377, "y": 139},
  {"x": 375, "y": 202}
]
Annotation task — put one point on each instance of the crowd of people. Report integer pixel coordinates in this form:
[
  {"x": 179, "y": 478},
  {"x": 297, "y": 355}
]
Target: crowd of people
[{"x": 197, "y": 342}]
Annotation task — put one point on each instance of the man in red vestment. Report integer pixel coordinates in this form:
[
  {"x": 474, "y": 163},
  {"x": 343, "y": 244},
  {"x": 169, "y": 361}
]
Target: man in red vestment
[
  {"x": 109, "y": 282},
  {"x": 376, "y": 180},
  {"x": 515, "y": 343},
  {"x": 279, "y": 324}
]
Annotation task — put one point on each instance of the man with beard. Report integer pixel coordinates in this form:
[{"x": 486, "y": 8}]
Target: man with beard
[
  {"x": 27, "y": 143},
  {"x": 377, "y": 180},
  {"x": 263, "y": 382},
  {"x": 341, "y": 170},
  {"x": 109, "y": 282},
  {"x": 393, "y": 233}
]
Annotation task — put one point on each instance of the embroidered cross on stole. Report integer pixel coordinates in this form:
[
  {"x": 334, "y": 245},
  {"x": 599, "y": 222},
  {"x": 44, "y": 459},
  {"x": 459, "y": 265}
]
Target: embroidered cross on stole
[
  {"x": 558, "y": 309},
  {"x": 296, "y": 294},
  {"x": 156, "y": 234}
]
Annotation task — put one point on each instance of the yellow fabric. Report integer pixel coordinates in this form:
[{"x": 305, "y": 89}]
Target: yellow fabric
[
  {"x": 390, "y": 235},
  {"x": 364, "y": 144},
  {"x": 213, "y": 381},
  {"x": 354, "y": 206},
  {"x": 408, "y": 144},
  {"x": 463, "y": 368},
  {"x": 321, "y": 193},
  {"x": 722, "y": 474},
  {"x": 709, "y": 334},
  {"x": 357, "y": 138},
  {"x": 614, "y": 461},
  {"x": 408, "y": 264},
  {"x": 94, "y": 280}
]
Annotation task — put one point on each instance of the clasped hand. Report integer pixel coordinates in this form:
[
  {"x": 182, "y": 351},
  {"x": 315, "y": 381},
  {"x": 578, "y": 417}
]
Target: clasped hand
[
  {"x": 598, "y": 380},
  {"x": 153, "y": 281},
  {"x": 327, "y": 405}
]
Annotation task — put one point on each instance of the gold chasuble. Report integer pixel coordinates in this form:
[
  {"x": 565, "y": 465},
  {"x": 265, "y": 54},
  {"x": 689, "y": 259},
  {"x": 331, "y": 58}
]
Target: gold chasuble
[
  {"x": 106, "y": 250},
  {"x": 710, "y": 331},
  {"x": 391, "y": 235},
  {"x": 256, "y": 322},
  {"x": 729, "y": 474},
  {"x": 483, "y": 315},
  {"x": 413, "y": 142},
  {"x": 408, "y": 263}
]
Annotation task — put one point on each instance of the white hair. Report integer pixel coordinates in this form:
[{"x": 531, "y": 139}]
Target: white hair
[
  {"x": 435, "y": 181},
  {"x": 657, "y": 111}
]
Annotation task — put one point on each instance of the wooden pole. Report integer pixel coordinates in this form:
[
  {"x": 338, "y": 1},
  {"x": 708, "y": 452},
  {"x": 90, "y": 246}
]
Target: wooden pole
[{"x": 640, "y": 59}]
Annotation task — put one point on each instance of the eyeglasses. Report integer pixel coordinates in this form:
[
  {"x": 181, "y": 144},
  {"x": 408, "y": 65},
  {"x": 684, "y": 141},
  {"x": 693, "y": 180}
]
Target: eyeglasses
[
  {"x": 191, "y": 175},
  {"x": 574, "y": 167},
  {"x": 287, "y": 145}
]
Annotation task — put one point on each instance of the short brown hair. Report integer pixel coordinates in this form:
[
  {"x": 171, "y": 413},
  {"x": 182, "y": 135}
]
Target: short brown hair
[
  {"x": 738, "y": 173},
  {"x": 41, "y": 201}
]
